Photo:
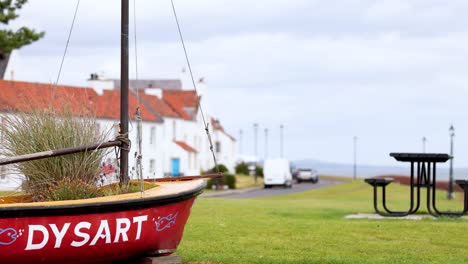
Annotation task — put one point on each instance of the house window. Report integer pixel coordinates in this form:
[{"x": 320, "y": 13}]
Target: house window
[
  {"x": 174, "y": 132},
  {"x": 218, "y": 147},
  {"x": 153, "y": 135},
  {"x": 152, "y": 166}
]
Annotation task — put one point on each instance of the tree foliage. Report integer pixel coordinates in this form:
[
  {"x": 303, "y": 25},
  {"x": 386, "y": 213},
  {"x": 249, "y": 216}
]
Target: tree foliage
[
  {"x": 242, "y": 168},
  {"x": 14, "y": 39}
]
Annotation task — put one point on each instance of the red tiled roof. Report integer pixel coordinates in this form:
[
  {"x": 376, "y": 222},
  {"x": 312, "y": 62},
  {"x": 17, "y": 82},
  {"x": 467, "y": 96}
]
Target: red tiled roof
[
  {"x": 217, "y": 126},
  {"x": 158, "y": 105},
  {"x": 185, "y": 146},
  {"x": 27, "y": 97},
  {"x": 109, "y": 107},
  {"x": 180, "y": 100}
]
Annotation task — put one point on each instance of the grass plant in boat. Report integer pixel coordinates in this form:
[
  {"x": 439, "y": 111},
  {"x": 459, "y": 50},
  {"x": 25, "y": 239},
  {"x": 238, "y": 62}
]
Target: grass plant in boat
[{"x": 65, "y": 177}]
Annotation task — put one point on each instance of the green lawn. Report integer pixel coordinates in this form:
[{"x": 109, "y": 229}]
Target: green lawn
[{"x": 310, "y": 228}]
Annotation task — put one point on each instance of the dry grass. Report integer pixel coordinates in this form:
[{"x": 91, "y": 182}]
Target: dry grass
[
  {"x": 26, "y": 133},
  {"x": 245, "y": 181},
  {"x": 338, "y": 178}
]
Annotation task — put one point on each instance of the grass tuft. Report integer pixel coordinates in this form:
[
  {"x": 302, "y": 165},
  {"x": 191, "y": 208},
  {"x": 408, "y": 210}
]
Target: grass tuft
[{"x": 43, "y": 130}]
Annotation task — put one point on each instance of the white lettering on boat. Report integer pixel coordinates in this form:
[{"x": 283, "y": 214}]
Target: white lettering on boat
[
  {"x": 59, "y": 234},
  {"x": 122, "y": 230},
  {"x": 39, "y": 235},
  {"x": 78, "y": 233},
  {"x": 32, "y": 230},
  {"x": 139, "y": 220},
  {"x": 103, "y": 227}
]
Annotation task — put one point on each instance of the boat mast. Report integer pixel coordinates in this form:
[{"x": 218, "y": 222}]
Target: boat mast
[{"x": 124, "y": 148}]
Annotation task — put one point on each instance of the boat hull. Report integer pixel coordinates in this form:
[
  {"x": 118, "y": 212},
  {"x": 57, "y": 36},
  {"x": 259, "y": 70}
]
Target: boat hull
[{"x": 74, "y": 236}]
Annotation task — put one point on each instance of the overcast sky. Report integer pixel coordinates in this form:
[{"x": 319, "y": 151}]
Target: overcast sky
[{"x": 388, "y": 72}]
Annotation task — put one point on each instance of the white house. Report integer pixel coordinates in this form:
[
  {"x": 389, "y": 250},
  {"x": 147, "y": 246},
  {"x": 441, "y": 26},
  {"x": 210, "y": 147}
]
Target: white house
[{"x": 173, "y": 135}]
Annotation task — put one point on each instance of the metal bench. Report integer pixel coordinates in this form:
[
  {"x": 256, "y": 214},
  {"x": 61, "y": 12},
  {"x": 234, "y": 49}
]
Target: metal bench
[{"x": 425, "y": 165}]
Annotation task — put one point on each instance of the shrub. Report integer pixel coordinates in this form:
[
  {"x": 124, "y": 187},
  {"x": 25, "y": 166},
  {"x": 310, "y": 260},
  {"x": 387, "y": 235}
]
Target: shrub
[
  {"x": 227, "y": 179},
  {"x": 210, "y": 183},
  {"x": 221, "y": 167},
  {"x": 259, "y": 171},
  {"x": 242, "y": 168},
  {"x": 26, "y": 133},
  {"x": 230, "y": 181}
]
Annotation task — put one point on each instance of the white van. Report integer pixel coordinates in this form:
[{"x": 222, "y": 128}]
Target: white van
[{"x": 277, "y": 172}]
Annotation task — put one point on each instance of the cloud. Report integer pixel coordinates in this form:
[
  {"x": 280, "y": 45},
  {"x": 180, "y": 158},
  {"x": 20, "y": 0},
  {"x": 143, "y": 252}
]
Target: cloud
[{"x": 386, "y": 71}]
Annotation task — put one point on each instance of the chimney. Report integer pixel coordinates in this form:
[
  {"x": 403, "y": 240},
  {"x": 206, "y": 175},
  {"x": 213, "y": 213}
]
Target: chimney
[
  {"x": 154, "y": 91},
  {"x": 99, "y": 83},
  {"x": 201, "y": 87}
]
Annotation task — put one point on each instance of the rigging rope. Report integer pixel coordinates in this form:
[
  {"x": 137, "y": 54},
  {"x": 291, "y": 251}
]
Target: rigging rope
[
  {"x": 138, "y": 155},
  {"x": 194, "y": 86},
  {"x": 68, "y": 42},
  {"x": 136, "y": 50},
  {"x": 139, "y": 165}
]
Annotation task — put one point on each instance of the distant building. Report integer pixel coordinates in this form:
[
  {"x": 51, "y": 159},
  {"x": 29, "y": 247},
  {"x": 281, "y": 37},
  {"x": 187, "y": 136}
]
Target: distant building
[
  {"x": 169, "y": 84},
  {"x": 174, "y": 138}
]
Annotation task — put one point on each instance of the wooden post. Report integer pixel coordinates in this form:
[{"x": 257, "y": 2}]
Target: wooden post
[
  {"x": 160, "y": 260},
  {"x": 124, "y": 94}
]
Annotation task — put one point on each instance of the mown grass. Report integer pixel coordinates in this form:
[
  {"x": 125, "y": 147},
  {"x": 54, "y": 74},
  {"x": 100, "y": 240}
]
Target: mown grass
[{"x": 310, "y": 228}]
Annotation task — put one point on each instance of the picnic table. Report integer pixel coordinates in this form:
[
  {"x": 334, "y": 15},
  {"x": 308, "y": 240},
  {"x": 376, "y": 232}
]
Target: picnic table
[{"x": 425, "y": 165}]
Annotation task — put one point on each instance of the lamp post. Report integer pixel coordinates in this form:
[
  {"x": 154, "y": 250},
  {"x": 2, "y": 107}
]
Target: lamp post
[
  {"x": 240, "y": 141},
  {"x": 355, "y": 156},
  {"x": 266, "y": 144},
  {"x": 281, "y": 140},
  {"x": 424, "y": 144},
  {"x": 255, "y": 125},
  {"x": 450, "y": 184}
]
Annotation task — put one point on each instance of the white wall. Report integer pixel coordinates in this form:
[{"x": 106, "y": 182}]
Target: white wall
[
  {"x": 151, "y": 150},
  {"x": 162, "y": 149},
  {"x": 9, "y": 180},
  {"x": 227, "y": 149},
  {"x": 185, "y": 131}
]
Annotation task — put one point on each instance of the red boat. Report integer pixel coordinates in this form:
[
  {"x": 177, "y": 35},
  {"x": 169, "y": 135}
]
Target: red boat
[
  {"x": 103, "y": 229},
  {"x": 100, "y": 229}
]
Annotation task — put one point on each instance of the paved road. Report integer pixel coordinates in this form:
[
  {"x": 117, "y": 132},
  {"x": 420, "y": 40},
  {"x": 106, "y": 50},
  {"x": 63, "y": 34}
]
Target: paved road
[{"x": 260, "y": 192}]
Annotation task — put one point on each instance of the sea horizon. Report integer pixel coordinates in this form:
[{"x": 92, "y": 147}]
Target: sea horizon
[{"x": 366, "y": 171}]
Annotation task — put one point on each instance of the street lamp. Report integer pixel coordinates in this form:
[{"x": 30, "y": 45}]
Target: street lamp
[
  {"x": 450, "y": 185},
  {"x": 255, "y": 125},
  {"x": 355, "y": 156},
  {"x": 424, "y": 144},
  {"x": 266, "y": 143},
  {"x": 240, "y": 141},
  {"x": 281, "y": 140}
]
